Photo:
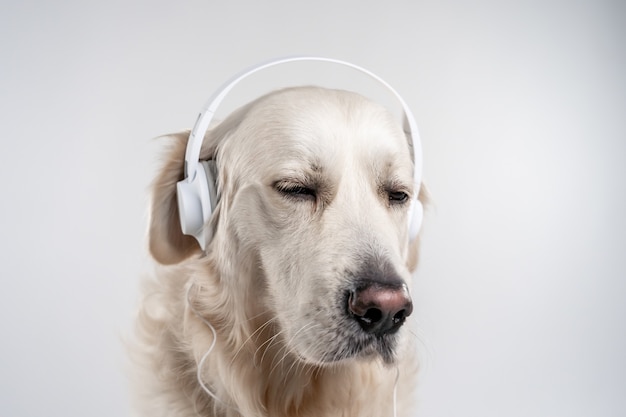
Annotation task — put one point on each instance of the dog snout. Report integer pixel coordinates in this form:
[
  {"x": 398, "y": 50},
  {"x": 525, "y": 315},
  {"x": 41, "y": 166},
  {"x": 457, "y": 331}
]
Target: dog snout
[{"x": 380, "y": 308}]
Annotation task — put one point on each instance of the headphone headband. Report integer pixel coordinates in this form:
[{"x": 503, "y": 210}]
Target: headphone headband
[{"x": 196, "y": 137}]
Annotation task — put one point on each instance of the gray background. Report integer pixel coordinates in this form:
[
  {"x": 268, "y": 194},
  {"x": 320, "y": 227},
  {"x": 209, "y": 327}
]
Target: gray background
[{"x": 521, "y": 106}]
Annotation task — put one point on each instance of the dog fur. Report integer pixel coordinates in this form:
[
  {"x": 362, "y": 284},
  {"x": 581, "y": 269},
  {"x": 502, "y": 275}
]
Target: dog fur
[{"x": 304, "y": 176}]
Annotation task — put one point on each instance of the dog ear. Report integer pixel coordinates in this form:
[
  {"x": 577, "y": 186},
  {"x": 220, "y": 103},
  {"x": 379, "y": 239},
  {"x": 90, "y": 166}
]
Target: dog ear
[{"x": 167, "y": 243}]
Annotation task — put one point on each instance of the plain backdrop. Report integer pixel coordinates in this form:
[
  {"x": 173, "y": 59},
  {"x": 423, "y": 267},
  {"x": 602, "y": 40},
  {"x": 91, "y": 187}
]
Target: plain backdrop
[{"x": 521, "y": 105}]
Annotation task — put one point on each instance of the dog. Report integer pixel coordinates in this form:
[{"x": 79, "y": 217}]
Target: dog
[{"x": 297, "y": 306}]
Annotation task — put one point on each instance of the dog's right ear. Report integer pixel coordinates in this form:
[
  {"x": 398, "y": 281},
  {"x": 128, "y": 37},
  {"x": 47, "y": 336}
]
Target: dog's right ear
[{"x": 168, "y": 245}]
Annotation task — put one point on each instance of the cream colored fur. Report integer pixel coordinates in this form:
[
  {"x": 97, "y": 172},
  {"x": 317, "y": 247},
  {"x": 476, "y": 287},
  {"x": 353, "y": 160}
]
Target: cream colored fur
[{"x": 279, "y": 261}]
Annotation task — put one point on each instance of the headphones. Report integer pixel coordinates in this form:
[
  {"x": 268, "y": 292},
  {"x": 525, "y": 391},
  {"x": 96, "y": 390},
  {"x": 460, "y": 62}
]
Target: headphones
[{"x": 197, "y": 192}]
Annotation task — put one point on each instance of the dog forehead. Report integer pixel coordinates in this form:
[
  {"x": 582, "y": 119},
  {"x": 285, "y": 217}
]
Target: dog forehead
[{"x": 321, "y": 126}]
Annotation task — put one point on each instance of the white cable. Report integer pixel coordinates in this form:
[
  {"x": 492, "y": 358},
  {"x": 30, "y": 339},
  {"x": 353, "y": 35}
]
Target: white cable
[
  {"x": 207, "y": 353},
  {"x": 395, "y": 386}
]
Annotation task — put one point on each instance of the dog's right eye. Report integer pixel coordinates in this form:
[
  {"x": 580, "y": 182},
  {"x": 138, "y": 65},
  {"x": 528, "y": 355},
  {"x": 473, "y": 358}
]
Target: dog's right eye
[{"x": 296, "y": 191}]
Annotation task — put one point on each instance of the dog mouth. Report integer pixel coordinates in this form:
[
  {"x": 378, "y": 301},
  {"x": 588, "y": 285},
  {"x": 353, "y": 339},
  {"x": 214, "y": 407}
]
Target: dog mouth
[
  {"x": 367, "y": 347},
  {"x": 353, "y": 348}
]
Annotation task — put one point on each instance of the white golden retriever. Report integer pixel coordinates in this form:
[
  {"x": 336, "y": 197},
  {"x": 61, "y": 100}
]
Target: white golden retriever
[{"x": 303, "y": 288}]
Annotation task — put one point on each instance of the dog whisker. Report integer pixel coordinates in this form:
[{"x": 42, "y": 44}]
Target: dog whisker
[
  {"x": 256, "y": 332},
  {"x": 287, "y": 349},
  {"x": 266, "y": 346}
]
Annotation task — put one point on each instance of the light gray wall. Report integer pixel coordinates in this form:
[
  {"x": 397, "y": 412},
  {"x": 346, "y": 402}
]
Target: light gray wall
[{"x": 521, "y": 105}]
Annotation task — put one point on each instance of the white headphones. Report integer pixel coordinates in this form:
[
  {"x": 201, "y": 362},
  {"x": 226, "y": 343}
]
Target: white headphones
[{"x": 197, "y": 192}]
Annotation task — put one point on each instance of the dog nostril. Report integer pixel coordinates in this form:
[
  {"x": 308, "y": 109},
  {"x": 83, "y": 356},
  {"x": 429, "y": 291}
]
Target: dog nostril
[
  {"x": 372, "y": 316},
  {"x": 399, "y": 317}
]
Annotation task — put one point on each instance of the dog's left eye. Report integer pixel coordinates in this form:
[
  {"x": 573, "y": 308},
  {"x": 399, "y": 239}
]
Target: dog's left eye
[{"x": 397, "y": 197}]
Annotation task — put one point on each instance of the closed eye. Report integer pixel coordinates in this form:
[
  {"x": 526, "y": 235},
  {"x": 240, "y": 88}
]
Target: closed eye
[{"x": 295, "y": 190}]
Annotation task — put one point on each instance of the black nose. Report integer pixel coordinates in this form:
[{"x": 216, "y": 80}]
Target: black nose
[{"x": 380, "y": 308}]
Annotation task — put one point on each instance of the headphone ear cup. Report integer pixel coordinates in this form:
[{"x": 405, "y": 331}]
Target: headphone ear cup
[
  {"x": 415, "y": 219},
  {"x": 210, "y": 172},
  {"x": 196, "y": 200}
]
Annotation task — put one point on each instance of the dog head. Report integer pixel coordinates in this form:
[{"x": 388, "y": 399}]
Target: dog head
[{"x": 315, "y": 188}]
